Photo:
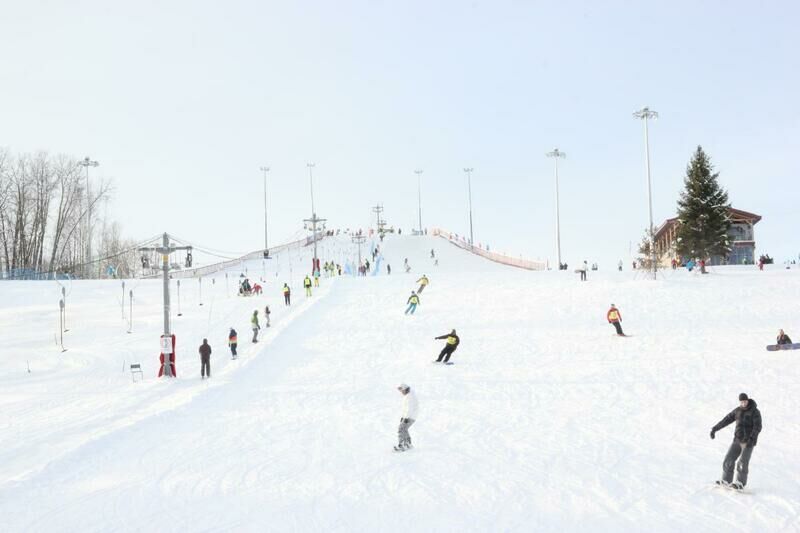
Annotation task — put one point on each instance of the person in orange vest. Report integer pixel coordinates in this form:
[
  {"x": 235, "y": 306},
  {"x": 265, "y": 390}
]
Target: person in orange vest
[
  {"x": 232, "y": 342},
  {"x": 615, "y": 319}
]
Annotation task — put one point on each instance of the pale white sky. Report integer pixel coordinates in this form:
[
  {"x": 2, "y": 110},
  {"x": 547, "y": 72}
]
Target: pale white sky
[{"x": 181, "y": 102}]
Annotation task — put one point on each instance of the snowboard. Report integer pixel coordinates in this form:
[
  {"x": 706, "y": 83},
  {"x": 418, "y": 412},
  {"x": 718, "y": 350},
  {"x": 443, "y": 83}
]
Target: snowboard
[
  {"x": 776, "y": 347},
  {"x": 727, "y": 486}
]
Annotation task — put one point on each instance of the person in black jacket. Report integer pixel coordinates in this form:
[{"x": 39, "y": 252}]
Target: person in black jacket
[
  {"x": 452, "y": 343},
  {"x": 783, "y": 338},
  {"x": 205, "y": 359},
  {"x": 745, "y": 436}
]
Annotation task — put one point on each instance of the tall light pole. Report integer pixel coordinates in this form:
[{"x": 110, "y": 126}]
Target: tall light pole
[
  {"x": 557, "y": 154},
  {"x": 469, "y": 189},
  {"x": 86, "y": 163},
  {"x": 314, "y": 220},
  {"x": 644, "y": 114},
  {"x": 419, "y": 172},
  {"x": 311, "y": 180},
  {"x": 266, "y": 248}
]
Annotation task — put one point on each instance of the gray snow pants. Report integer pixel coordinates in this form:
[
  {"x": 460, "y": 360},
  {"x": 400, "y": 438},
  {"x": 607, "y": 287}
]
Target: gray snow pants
[
  {"x": 402, "y": 432},
  {"x": 739, "y": 451}
]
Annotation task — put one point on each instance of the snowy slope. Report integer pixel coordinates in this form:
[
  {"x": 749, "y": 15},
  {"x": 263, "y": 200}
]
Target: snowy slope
[{"x": 546, "y": 422}]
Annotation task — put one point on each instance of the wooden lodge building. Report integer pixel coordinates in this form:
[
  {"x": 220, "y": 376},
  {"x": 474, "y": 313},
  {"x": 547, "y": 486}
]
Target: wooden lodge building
[{"x": 742, "y": 237}]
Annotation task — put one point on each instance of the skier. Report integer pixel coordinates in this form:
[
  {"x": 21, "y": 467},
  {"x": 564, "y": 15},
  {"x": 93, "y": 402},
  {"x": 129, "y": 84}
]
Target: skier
[
  {"x": 413, "y": 302},
  {"x": 316, "y": 278},
  {"x": 423, "y": 282},
  {"x": 266, "y": 314},
  {"x": 307, "y": 285},
  {"x": 583, "y": 270},
  {"x": 619, "y": 265},
  {"x": 388, "y": 269},
  {"x": 407, "y": 266},
  {"x": 433, "y": 255},
  {"x": 745, "y": 436},
  {"x": 287, "y": 294},
  {"x": 783, "y": 338},
  {"x": 615, "y": 318},
  {"x": 205, "y": 359},
  {"x": 452, "y": 343},
  {"x": 366, "y": 266},
  {"x": 232, "y": 342},
  {"x": 254, "y": 324},
  {"x": 408, "y": 417}
]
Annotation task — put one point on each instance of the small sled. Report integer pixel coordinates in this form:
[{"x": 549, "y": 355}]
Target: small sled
[{"x": 776, "y": 347}]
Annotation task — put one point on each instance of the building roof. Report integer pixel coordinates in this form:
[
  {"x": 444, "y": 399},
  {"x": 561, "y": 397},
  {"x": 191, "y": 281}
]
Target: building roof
[{"x": 735, "y": 214}]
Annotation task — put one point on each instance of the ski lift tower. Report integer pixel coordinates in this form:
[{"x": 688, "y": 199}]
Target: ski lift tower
[
  {"x": 311, "y": 224},
  {"x": 359, "y": 240},
  {"x": 167, "y": 339}
]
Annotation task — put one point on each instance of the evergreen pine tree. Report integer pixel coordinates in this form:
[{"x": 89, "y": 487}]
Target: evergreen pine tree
[{"x": 703, "y": 216}]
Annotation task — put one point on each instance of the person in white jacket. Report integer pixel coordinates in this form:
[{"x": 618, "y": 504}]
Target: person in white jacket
[{"x": 409, "y": 416}]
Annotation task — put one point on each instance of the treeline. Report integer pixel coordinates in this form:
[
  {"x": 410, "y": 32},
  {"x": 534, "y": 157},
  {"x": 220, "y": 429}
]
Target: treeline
[{"x": 53, "y": 220}]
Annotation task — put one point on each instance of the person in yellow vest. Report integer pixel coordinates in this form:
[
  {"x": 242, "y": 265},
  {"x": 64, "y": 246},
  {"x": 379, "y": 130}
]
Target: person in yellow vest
[
  {"x": 413, "y": 302},
  {"x": 423, "y": 282},
  {"x": 255, "y": 325},
  {"x": 307, "y": 285},
  {"x": 452, "y": 343},
  {"x": 615, "y": 319},
  {"x": 287, "y": 294}
]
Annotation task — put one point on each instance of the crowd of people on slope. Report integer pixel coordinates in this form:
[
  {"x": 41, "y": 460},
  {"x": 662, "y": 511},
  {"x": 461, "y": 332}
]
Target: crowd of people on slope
[
  {"x": 248, "y": 289},
  {"x": 746, "y": 416}
]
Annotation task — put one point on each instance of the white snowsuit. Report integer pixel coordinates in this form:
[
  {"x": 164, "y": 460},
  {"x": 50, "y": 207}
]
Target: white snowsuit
[{"x": 409, "y": 416}]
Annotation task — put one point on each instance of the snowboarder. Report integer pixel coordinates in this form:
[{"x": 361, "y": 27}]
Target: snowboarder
[
  {"x": 452, "y": 343},
  {"x": 254, "y": 323},
  {"x": 287, "y": 294},
  {"x": 783, "y": 338},
  {"x": 307, "y": 285},
  {"x": 205, "y": 359},
  {"x": 615, "y": 319},
  {"x": 423, "y": 282},
  {"x": 413, "y": 302},
  {"x": 745, "y": 436},
  {"x": 408, "y": 417},
  {"x": 232, "y": 342}
]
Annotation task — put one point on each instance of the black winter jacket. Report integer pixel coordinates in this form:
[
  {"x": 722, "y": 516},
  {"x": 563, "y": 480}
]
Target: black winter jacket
[
  {"x": 748, "y": 423},
  {"x": 455, "y": 344}
]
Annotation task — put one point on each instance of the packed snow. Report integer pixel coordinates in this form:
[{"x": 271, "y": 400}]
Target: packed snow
[{"x": 547, "y": 421}]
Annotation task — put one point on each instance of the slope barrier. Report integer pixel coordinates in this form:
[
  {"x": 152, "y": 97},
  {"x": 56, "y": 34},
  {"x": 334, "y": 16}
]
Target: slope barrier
[{"x": 461, "y": 242}]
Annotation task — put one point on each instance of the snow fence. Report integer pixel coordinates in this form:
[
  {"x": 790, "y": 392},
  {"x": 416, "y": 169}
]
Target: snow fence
[{"x": 462, "y": 243}]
